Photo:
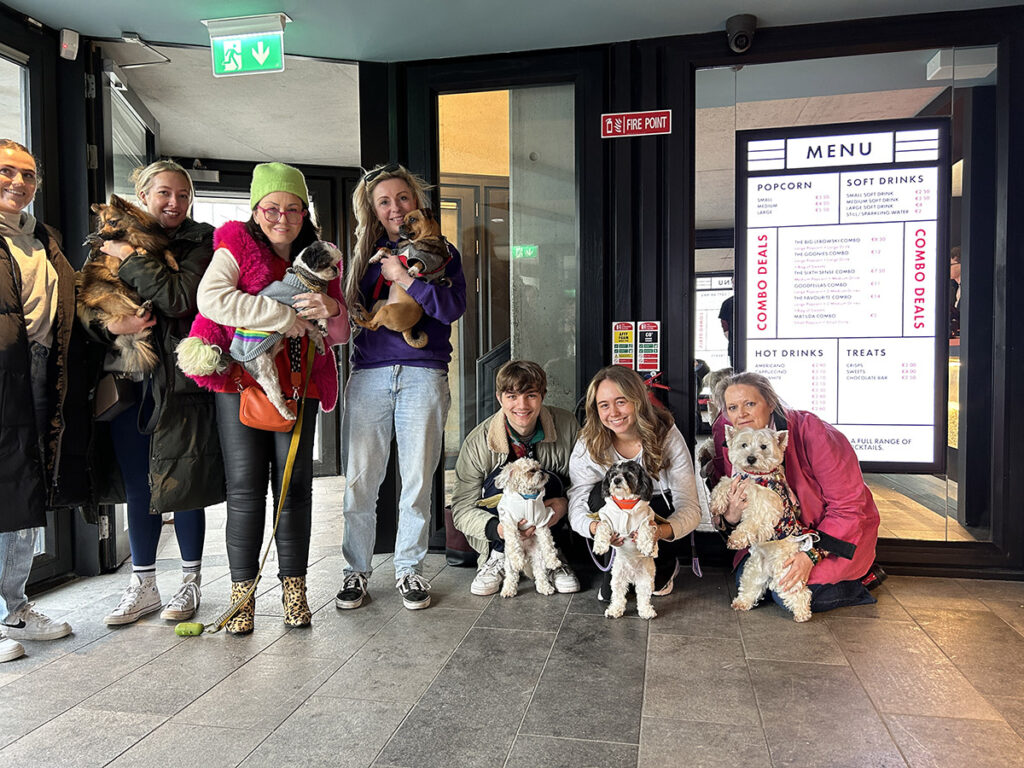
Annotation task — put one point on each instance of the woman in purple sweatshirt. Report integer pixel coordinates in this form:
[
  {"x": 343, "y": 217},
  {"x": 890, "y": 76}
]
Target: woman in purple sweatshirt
[{"x": 394, "y": 388}]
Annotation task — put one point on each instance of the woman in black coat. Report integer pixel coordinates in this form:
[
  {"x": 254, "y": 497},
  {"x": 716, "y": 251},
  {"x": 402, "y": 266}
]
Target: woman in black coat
[
  {"x": 37, "y": 312},
  {"x": 162, "y": 454}
]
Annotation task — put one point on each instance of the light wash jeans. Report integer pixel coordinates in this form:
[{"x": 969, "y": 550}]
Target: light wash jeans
[
  {"x": 17, "y": 550},
  {"x": 412, "y": 404}
]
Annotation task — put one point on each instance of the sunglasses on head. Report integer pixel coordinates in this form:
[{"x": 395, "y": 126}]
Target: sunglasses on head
[{"x": 372, "y": 175}]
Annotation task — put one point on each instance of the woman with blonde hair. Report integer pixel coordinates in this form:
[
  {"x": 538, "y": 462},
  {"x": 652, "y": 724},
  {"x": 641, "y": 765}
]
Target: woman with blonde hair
[
  {"x": 394, "y": 388},
  {"x": 161, "y": 454},
  {"x": 623, "y": 424}
]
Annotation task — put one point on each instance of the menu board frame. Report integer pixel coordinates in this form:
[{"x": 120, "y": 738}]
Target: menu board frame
[{"x": 745, "y": 282}]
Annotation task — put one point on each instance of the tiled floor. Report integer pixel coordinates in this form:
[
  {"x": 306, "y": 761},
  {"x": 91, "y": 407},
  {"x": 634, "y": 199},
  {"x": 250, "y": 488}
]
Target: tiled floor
[{"x": 933, "y": 675}]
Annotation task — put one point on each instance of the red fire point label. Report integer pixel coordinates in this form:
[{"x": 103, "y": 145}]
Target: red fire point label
[{"x": 615, "y": 125}]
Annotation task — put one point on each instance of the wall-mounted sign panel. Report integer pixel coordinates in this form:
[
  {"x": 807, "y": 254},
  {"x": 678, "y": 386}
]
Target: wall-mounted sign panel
[
  {"x": 617, "y": 125},
  {"x": 841, "y": 254},
  {"x": 624, "y": 343},
  {"x": 247, "y": 45}
]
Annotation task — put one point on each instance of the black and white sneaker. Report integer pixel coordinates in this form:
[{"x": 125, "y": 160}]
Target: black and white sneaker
[
  {"x": 604, "y": 592},
  {"x": 415, "y": 591},
  {"x": 352, "y": 592}
]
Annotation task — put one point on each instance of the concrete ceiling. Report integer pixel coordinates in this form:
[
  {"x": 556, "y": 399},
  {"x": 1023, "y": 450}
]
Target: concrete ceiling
[{"x": 403, "y": 30}]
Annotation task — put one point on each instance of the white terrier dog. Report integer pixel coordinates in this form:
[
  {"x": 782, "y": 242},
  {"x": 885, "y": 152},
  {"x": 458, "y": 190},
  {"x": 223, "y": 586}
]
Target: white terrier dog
[
  {"x": 627, "y": 514},
  {"x": 522, "y": 482},
  {"x": 770, "y": 525}
]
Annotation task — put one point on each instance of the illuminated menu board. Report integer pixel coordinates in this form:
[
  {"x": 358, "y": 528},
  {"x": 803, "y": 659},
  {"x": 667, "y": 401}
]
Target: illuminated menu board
[{"x": 841, "y": 261}]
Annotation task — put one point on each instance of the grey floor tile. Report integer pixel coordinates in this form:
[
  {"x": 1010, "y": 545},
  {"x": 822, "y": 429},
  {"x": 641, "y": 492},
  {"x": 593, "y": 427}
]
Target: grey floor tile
[
  {"x": 887, "y": 607},
  {"x": 547, "y": 752},
  {"x": 698, "y": 607},
  {"x": 527, "y": 610},
  {"x": 80, "y": 737},
  {"x": 330, "y": 732},
  {"x": 929, "y": 742},
  {"x": 323, "y": 580},
  {"x": 993, "y": 589},
  {"x": 699, "y": 678},
  {"x": 801, "y": 731},
  {"x": 769, "y": 632},
  {"x": 470, "y": 713},
  {"x": 400, "y": 661},
  {"x": 935, "y": 593},
  {"x": 1010, "y": 611},
  {"x": 200, "y": 745},
  {"x": 450, "y": 589},
  {"x": 22, "y": 714},
  {"x": 984, "y": 648},
  {"x": 1012, "y": 709},
  {"x": 668, "y": 743},
  {"x": 904, "y": 672},
  {"x": 259, "y": 695},
  {"x": 594, "y": 661}
]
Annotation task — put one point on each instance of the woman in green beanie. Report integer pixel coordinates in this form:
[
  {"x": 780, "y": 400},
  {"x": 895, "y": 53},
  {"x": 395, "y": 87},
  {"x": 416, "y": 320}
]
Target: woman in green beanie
[{"x": 248, "y": 257}]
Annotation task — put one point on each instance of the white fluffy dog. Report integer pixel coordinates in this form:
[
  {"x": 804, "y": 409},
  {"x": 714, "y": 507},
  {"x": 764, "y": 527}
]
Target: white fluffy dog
[
  {"x": 770, "y": 524},
  {"x": 627, "y": 513},
  {"x": 522, "y": 482}
]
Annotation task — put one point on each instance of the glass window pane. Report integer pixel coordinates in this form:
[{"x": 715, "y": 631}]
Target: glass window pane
[
  {"x": 129, "y": 143},
  {"x": 13, "y": 101}
]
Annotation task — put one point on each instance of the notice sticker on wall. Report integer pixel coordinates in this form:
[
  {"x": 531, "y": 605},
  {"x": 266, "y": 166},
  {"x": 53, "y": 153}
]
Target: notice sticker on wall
[
  {"x": 841, "y": 251},
  {"x": 648, "y": 345},
  {"x": 624, "y": 344}
]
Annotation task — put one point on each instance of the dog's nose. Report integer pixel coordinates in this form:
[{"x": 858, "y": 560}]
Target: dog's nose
[{"x": 751, "y": 460}]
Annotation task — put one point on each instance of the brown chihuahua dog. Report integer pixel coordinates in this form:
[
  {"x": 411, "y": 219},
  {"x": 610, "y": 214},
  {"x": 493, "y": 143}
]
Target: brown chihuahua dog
[
  {"x": 424, "y": 252},
  {"x": 102, "y": 296}
]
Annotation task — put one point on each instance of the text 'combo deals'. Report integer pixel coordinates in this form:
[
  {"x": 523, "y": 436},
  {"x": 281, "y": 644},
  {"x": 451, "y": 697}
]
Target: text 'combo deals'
[{"x": 841, "y": 254}]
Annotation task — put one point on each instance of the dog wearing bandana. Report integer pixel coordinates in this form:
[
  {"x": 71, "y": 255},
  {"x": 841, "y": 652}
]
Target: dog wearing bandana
[
  {"x": 770, "y": 525},
  {"x": 627, "y": 518},
  {"x": 522, "y": 482}
]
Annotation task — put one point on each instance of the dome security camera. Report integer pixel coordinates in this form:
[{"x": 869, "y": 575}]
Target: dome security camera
[{"x": 740, "y": 31}]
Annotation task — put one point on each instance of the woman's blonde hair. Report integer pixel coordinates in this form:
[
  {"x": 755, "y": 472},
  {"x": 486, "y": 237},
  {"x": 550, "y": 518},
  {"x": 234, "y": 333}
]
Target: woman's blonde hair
[
  {"x": 368, "y": 226},
  {"x": 143, "y": 178},
  {"x": 653, "y": 422}
]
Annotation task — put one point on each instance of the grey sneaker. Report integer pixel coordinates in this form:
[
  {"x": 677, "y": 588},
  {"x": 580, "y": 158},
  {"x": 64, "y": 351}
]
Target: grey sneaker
[
  {"x": 185, "y": 602},
  {"x": 490, "y": 575},
  {"x": 10, "y": 649},
  {"x": 29, "y": 624},
  {"x": 139, "y": 599},
  {"x": 352, "y": 592},
  {"x": 415, "y": 591}
]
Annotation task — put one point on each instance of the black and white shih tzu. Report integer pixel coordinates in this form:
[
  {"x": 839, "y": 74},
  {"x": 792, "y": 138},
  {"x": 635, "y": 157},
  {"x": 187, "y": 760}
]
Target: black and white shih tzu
[{"x": 627, "y": 515}]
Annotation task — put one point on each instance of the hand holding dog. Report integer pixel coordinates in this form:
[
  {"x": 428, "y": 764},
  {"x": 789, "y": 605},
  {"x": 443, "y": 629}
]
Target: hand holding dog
[
  {"x": 737, "y": 499},
  {"x": 132, "y": 324},
  {"x": 392, "y": 268},
  {"x": 300, "y": 327},
  {"x": 119, "y": 249},
  {"x": 616, "y": 540},
  {"x": 316, "y": 306},
  {"x": 798, "y": 570}
]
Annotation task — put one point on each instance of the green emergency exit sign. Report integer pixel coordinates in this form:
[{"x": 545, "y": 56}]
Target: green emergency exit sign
[
  {"x": 524, "y": 251},
  {"x": 248, "y": 54}
]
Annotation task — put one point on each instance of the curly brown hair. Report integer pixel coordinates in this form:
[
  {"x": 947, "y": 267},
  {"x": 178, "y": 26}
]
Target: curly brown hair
[{"x": 653, "y": 422}]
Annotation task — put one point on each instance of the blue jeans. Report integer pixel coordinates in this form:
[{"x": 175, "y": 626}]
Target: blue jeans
[
  {"x": 412, "y": 404},
  {"x": 131, "y": 448}
]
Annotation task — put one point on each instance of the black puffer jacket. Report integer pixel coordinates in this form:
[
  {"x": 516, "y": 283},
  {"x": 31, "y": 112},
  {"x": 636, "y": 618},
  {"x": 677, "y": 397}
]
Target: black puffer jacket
[
  {"x": 186, "y": 470},
  {"x": 26, "y": 489}
]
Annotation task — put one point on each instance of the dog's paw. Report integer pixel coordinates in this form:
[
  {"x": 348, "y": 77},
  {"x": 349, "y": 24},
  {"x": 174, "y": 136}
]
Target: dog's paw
[
  {"x": 509, "y": 590},
  {"x": 738, "y": 540},
  {"x": 741, "y": 605},
  {"x": 613, "y": 613},
  {"x": 646, "y": 612},
  {"x": 544, "y": 587},
  {"x": 802, "y": 614}
]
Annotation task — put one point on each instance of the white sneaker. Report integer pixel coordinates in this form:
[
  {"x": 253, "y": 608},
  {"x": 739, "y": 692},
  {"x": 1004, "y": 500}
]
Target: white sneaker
[
  {"x": 139, "y": 599},
  {"x": 10, "y": 649},
  {"x": 490, "y": 575},
  {"x": 565, "y": 580},
  {"x": 185, "y": 601},
  {"x": 29, "y": 624}
]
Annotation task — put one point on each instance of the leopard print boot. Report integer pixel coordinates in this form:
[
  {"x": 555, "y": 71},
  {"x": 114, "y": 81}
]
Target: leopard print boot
[
  {"x": 293, "y": 595},
  {"x": 243, "y": 621}
]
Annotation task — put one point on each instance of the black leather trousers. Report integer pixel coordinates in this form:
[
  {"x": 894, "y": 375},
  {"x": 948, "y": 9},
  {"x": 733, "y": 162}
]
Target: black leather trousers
[{"x": 251, "y": 458}]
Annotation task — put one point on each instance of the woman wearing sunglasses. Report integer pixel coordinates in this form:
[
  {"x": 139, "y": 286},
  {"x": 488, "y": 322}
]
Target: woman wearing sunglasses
[
  {"x": 249, "y": 256},
  {"x": 394, "y": 389}
]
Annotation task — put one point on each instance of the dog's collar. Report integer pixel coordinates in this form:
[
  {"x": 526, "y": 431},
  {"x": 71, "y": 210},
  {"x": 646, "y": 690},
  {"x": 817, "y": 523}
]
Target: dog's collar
[
  {"x": 625, "y": 503},
  {"x": 313, "y": 282},
  {"x": 529, "y": 495}
]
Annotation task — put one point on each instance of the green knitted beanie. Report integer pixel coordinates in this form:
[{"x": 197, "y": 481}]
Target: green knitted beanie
[{"x": 276, "y": 177}]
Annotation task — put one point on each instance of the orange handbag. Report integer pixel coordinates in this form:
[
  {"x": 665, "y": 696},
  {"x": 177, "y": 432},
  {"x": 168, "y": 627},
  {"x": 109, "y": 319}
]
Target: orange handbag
[{"x": 254, "y": 407}]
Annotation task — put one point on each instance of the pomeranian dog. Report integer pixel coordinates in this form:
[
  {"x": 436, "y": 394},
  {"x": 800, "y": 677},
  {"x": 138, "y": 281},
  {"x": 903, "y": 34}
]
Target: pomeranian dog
[{"x": 102, "y": 296}]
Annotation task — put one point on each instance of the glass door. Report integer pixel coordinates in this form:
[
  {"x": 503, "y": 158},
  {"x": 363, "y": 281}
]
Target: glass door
[{"x": 508, "y": 203}]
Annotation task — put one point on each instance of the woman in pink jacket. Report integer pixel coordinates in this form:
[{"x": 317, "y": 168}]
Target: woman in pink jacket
[{"x": 823, "y": 473}]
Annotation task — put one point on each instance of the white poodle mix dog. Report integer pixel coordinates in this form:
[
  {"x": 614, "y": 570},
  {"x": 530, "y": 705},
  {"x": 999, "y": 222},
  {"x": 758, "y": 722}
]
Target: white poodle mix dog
[
  {"x": 522, "y": 482},
  {"x": 770, "y": 525},
  {"x": 627, "y": 517}
]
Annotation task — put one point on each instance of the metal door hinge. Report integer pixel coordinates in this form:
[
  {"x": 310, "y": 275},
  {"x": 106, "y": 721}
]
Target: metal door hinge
[
  {"x": 92, "y": 157},
  {"x": 104, "y": 526},
  {"x": 90, "y": 86}
]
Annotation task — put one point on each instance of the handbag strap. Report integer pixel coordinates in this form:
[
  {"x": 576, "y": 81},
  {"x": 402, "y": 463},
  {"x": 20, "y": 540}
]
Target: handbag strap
[{"x": 286, "y": 479}]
